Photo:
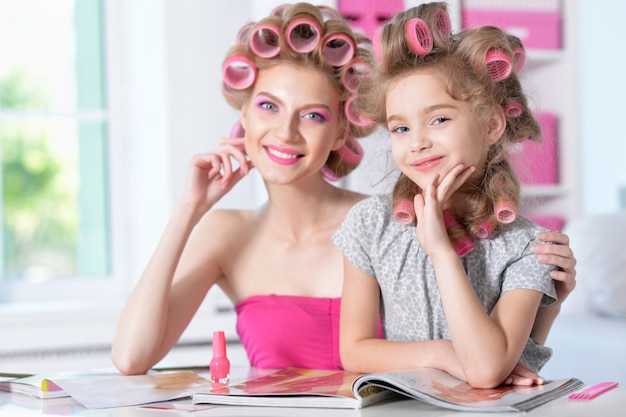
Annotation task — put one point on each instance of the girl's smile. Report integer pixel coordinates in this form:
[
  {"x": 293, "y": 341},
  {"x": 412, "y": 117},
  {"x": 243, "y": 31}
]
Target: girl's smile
[{"x": 282, "y": 156}]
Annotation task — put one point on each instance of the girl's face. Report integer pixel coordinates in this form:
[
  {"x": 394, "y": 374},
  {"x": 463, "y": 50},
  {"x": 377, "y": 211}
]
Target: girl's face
[
  {"x": 292, "y": 122},
  {"x": 431, "y": 132}
]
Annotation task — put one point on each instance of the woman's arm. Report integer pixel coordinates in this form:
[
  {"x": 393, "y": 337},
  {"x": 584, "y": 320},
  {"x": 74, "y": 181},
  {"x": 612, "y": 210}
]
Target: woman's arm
[
  {"x": 559, "y": 254},
  {"x": 180, "y": 271}
]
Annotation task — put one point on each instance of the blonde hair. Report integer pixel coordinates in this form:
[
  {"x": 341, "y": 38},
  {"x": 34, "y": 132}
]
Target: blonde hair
[
  {"x": 477, "y": 66},
  {"x": 304, "y": 20}
]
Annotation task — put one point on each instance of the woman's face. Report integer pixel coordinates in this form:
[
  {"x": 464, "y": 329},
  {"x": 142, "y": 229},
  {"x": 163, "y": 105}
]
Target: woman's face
[
  {"x": 431, "y": 132},
  {"x": 292, "y": 122}
]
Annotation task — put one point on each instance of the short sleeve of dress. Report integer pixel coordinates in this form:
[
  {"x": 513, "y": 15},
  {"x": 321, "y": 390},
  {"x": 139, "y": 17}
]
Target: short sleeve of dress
[
  {"x": 526, "y": 271},
  {"x": 360, "y": 231}
]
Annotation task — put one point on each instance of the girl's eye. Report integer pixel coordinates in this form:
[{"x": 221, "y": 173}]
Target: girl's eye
[
  {"x": 399, "y": 129},
  {"x": 440, "y": 120}
]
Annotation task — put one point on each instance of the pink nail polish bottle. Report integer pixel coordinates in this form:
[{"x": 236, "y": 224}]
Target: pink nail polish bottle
[{"x": 220, "y": 365}]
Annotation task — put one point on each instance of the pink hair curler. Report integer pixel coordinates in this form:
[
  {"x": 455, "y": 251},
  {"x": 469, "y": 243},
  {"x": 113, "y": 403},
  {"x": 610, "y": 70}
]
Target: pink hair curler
[
  {"x": 244, "y": 33},
  {"x": 484, "y": 230},
  {"x": 505, "y": 211},
  {"x": 513, "y": 110},
  {"x": 463, "y": 246},
  {"x": 352, "y": 76},
  {"x": 329, "y": 13},
  {"x": 499, "y": 65},
  {"x": 338, "y": 49},
  {"x": 264, "y": 40},
  {"x": 520, "y": 58},
  {"x": 355, "y": 117},
  {"x": 404, "y": 211},
  {"x": 328, "y": 174},
  {"x": 239, "y": 72},
  {"x": 303, "y": 35},
  {"x": 418, "y": 36},
  {"x": 443, "y": 26},
  {"x": 376, "y": 43},
  {"x": 279, "y": 10},
  {"x": 351, "y": 151},
  {"x": 237, "y": 131}
]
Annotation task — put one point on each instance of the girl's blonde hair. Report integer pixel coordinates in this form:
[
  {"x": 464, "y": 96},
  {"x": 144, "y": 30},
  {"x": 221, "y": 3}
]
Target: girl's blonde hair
[{"x": 478, "y": 66}]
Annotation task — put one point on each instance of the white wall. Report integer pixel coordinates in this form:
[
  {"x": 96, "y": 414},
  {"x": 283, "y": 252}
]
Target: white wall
[{"x": 602, "y": 61}]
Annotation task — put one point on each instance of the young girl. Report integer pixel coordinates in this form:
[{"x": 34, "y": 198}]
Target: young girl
[
  {"x": 293, "y": 76},
  {"x": 453, "y": 278}
]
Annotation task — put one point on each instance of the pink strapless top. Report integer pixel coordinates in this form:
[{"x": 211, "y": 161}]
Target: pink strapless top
[{"x": 279, "y": 331}]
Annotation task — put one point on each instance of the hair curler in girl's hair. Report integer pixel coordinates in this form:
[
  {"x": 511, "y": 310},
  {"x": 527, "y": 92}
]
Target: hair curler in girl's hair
[
  {"x": 484, "y": 230},
  {"x": 499, "y": 65},
  {"x": 505, "y": 211},
  {"x": 338, "y": 49},
  {"x": 376, "y": 41},
  {"x": 513, "y": 110},
  {"x": 351, "y": 151},
  {"x": 354, "y": 116},
  {"x": 443, "y": 26},
  {"x": 353, "y": 74},
  {"x": 239, "y": 72},
  {"x": 303, "y": 35},
  {"x": 404, "y": 211},
  {"x": 418, "y": 36},
  {"x": 244, "y": 33},
  {"x": 520, "y": 58},
  {"x": 463, "y": 245},
  {"x": 264, "y": 38}
]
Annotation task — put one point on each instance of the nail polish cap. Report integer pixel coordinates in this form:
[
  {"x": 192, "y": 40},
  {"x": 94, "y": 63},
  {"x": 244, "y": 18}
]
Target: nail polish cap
[{"x": 219, "y": 344}]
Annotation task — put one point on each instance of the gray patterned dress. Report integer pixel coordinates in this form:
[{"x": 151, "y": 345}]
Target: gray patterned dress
[{"x": 411, "y": 308}]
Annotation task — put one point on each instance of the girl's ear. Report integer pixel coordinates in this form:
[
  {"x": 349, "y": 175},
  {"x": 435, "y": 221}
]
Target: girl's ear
[{"x": 496, "y": 125}]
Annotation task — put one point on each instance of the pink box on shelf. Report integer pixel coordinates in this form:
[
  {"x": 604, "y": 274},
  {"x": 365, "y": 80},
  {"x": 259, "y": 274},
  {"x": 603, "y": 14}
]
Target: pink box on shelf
[
  {"x": 550, "y": 222},
  {"x": 536, "y": 29},
  {"x": 537, "y": 163}
]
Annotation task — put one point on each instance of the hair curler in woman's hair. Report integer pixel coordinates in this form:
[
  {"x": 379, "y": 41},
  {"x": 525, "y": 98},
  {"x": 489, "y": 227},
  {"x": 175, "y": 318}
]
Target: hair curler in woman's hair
[
  {"x": 338, "y": 49},
  {"x": 404, "y": 211},
  {"x": 418, "y": 36},
  {"x": 353, "y": 74},
  {"x": 329, "y": 13},
  {"x": 239, "y": 72},
  {"x": 303, "y": 35},
  {"x": 351, "y": 151},
  {"x": 329, "y": 174},
  {"x": 484, "y": 230},
  {"x": 513, "y": 110},
  {"x": 244, "y": 33},
  {"x": 353, "y": 115},
  {"x": 265, "y": 36},
  {"x": 279, "y": 10},
  {"x": 376, "y": 43},
  {"x": 499, "y": 65},
  {"x": 505, "y": 211}
]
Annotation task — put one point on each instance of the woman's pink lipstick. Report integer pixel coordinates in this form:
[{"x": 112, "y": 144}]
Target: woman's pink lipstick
[{"x": 282, "y": 156}]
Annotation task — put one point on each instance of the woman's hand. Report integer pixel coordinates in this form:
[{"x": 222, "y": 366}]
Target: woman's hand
[
  {"x": 211, "y": 175},
  {"x": 560, "y": 255}
]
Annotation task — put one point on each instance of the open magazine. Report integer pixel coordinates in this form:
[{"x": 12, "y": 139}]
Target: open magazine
[{"x": 295, "y": 387}]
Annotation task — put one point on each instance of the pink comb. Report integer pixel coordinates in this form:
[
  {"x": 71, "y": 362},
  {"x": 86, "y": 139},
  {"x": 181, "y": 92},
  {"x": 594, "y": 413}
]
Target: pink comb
[{"x": 593, "y": 391}]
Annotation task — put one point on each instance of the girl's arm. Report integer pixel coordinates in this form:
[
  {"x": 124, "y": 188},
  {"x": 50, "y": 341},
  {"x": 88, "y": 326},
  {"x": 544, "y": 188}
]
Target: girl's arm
[
  {"x": 180, "y": 271},
  {"x": 361, "y": 349}
]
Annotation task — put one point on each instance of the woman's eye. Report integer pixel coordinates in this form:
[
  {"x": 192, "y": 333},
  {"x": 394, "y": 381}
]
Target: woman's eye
[
  {"x": 317, "y": 116},
  {"x": 267, "y": 105}
]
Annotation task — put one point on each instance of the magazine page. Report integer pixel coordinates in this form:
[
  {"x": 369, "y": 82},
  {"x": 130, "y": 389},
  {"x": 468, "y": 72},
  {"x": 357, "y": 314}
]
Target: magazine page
[
  {"x": 291, "y": 387},
  {"x": 442, "y": 389},
  {"x": 105, "y": 391}
]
